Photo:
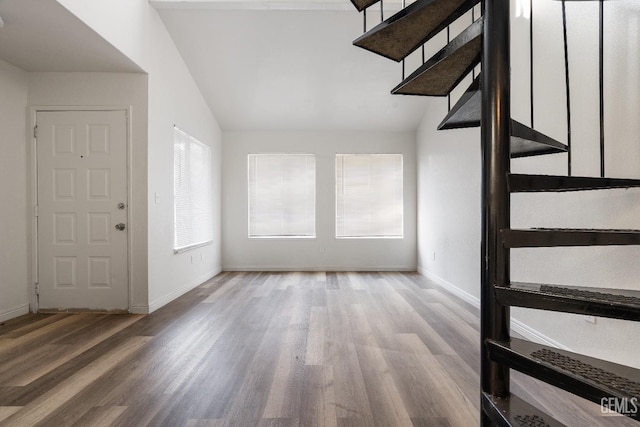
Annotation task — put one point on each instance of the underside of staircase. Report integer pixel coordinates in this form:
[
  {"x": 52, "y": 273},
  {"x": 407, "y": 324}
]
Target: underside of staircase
[{"x": 485, "y": 43}]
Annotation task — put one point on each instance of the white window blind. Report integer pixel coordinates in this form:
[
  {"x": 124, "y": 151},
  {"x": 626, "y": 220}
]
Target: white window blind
[
  {"x": 282, "y": 195},
  {"x": 369, "y": 200},
  {"x": 193, "y": 192}
]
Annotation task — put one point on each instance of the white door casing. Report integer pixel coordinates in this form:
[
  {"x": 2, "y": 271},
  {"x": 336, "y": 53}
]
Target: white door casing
[{"x": 81, "y": 203}]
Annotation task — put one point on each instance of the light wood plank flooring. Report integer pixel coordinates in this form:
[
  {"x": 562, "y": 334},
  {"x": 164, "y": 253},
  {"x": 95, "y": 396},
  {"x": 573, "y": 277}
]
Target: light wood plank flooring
[{"x": 263, "y": 349}]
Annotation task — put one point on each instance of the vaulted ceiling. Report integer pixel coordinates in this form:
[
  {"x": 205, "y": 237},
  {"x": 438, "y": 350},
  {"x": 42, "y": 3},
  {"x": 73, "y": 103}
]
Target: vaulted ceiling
[{"x": 288, "y": 66}]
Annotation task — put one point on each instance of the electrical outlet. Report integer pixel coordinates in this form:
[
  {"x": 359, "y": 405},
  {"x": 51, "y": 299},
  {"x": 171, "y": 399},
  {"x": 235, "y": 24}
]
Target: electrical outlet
[{"x": 591, "y": 319}]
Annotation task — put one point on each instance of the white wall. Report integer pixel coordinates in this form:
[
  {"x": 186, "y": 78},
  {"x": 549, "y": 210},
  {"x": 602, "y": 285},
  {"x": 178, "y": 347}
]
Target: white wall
[
  {"x": 325, "y": 252},
  {"x": 135, "y": 28},
  {"x": 119, "y": 90},
  {"x": 14, "y": 192},
  {"x": 444, "y": 166},
  {"x": 448, "y": 202}
]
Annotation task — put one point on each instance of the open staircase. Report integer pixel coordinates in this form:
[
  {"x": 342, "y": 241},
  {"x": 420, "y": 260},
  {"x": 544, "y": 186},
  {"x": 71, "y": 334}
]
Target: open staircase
[{"x": 486, "y": 42}]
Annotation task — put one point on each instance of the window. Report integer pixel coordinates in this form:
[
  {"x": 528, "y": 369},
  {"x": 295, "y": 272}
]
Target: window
[
  {"x": 282, "y": 195},
  {"x": 369, "y": 199},
  {"x": 193, "y": 192}
]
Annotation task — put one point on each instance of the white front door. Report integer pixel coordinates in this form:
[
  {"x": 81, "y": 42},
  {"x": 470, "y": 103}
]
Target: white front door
[{"x": 82, "y": 210}]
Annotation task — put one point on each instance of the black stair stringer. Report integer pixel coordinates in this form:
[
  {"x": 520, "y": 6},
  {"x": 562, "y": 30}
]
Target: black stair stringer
[
  {"x": 467, "y": 111},
  {"x": 523, "y": 183},
  {"x": 526, "y": 142},
  {"x": 556, "y": 237}
]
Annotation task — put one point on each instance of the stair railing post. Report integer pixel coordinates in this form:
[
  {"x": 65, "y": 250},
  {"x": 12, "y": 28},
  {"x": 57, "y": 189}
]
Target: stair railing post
[{"x": 496, "y": 130}]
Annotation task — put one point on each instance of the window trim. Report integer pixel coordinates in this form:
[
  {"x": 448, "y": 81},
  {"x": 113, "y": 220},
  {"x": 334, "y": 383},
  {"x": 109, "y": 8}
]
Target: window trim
[
  {"x": 315, "y": 198},
  {"x": 196, "y": 245},
  {"x": 377, "y": 237}
]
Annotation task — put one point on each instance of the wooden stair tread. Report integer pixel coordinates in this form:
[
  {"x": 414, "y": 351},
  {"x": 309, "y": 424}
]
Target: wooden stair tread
[
  {"x": 603, "y": 302},
  {"x": 410, "y": 28},
  {"x": 444, "y": 70},
  {"x": 363, "y": 4}
]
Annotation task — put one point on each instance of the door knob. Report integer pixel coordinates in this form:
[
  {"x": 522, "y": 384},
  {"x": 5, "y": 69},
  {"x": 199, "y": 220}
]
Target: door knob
[{"x": 120, "y": 226}]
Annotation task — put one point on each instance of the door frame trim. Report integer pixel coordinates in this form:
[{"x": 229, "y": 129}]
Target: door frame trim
[{"x": 33, "y": 188}]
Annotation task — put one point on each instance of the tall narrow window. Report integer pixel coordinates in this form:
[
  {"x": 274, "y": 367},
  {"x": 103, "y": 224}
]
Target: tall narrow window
[
  {"x": 369, "y": 200},
  {"x": 282, "y": 195},
  {"x": 193, "y": 192}
]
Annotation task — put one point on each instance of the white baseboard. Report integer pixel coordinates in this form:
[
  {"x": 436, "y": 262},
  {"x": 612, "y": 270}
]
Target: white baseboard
[
  {"x": 533, "y": 335},
  {"x": 517, "y": 326},
  {"x": 162, "y": 301},
  {"x": 317, "y": 268},
  {"x": 452, "y": 289},
  {"x": 14, "y": 312},
  {"x": 139, "y": 309}
]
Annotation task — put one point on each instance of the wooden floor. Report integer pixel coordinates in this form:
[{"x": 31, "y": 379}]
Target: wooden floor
[{"x": 263, "y": 349}]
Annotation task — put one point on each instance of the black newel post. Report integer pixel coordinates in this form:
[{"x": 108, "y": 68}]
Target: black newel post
[{"x": 496, "y": 118}]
